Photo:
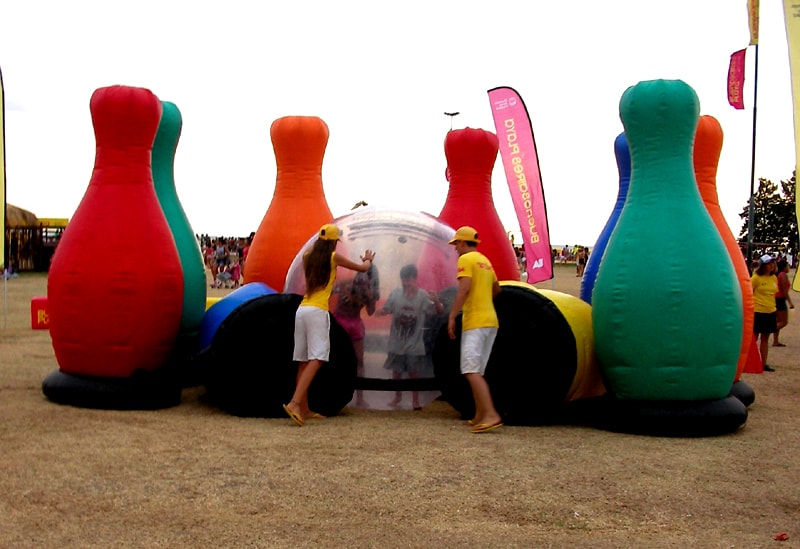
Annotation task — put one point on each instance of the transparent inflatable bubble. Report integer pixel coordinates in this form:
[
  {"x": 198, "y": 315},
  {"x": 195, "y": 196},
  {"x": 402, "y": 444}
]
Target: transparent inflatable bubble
[{"x": 399, "y": 239}]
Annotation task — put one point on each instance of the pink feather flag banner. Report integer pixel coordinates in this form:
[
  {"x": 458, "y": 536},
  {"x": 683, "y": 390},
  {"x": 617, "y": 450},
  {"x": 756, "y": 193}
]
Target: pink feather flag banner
[
  {"x": 736, "y": 80},
  {"x": 521, "y": 162}
]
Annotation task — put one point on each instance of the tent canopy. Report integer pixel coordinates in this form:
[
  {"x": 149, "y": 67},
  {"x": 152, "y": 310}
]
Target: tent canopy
[{"x": 17, "y": 217}]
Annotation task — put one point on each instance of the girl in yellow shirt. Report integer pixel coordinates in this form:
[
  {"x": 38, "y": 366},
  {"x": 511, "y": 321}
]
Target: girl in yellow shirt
[
  {"x": 765, "y": 286},
  {"x": 312, "y": 325}
]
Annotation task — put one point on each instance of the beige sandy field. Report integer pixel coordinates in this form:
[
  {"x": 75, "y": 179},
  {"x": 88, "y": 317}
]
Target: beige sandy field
[{"x": 193, "y": 476}]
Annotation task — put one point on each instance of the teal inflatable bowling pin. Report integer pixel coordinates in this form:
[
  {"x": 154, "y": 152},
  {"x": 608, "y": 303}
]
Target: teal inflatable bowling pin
[
  {"x": 194, "y": 272},
  {"x": 666, "y": 306}
]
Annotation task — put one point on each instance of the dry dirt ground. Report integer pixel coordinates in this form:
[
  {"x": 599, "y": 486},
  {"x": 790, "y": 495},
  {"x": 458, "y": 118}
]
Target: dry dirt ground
[{"x": 193, "y": 476}]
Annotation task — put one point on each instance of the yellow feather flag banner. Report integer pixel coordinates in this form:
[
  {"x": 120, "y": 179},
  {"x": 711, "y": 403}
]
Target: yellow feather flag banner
[
  {"x": 752, "y": 19},
  {"x": 791, "y": 13},
  {"x": 2, "y": 173}
]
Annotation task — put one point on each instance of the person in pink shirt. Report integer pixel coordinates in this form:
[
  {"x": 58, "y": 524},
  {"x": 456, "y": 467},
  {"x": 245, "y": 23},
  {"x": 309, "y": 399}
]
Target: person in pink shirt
[{"x": 783, "y": 301}]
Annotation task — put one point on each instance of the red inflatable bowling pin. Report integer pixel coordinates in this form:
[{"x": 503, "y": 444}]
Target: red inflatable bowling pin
[
  {"x": 471, "y": 154},
  {"x": 298, "y": 206},
  {"x": 115, "y": 286}
]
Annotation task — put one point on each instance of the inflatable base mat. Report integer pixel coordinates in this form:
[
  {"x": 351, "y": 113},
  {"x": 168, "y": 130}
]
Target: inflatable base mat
[
  {"x": 141, "y": 391},
  {"x": 183, "y": 360},
  {"x": 743, "y": 392},
  {"x": 673, "y": 418}
]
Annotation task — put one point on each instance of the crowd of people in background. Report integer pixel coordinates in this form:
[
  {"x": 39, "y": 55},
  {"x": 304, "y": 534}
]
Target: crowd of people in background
[
  {"x": 224, "y": 257},
  {"x": 577, "y": 254},
  {"x": 777, "y": 255}
]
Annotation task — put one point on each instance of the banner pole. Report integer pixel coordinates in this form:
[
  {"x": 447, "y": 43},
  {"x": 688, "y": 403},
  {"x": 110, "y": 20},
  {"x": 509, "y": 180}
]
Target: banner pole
[{"x": 751, "y": 212}]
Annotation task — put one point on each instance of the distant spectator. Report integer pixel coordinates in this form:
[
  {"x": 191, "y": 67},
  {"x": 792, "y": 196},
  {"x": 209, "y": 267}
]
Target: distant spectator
[
  {"x": 208, "y": 254},
  {"x": 782, "y": 299},
  {"x": 220, "y": 257},
  {"x": 580, "y": 265}
]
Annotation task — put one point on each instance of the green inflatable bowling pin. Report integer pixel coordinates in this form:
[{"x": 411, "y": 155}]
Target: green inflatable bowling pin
[
  {"x": 191, "y": 258},
  {"x": 666, "y": 306}
]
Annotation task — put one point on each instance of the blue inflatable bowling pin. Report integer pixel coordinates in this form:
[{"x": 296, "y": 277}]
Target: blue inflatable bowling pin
[{"x": 593, "y": 264}]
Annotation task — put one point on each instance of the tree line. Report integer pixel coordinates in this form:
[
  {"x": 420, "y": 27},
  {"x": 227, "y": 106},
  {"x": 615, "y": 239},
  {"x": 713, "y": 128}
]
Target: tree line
[{"x": 774, "y": 218}]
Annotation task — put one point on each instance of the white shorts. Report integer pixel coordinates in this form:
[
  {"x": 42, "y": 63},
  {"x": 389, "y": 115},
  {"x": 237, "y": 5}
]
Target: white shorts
[
  {"x": 476, "y": 346},
  {"x": 312, "y": 328}
]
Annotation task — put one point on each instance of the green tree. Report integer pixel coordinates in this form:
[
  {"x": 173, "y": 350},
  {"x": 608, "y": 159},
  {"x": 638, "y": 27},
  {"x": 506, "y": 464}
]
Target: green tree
[{"x": 774, "y": 217}]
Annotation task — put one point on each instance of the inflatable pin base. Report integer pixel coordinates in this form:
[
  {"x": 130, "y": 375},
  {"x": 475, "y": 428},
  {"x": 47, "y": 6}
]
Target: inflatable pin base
[
  {"x": 743, "y": 392},
  {"x": 249, "y": 369},
  {"x": 673, "y": 418},
  {"x": 142, "y": 391},
  {"x": 183, "y": 360}
]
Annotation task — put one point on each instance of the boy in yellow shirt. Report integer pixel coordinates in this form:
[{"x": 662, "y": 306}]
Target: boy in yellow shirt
[{"x": 477, "y": 286}]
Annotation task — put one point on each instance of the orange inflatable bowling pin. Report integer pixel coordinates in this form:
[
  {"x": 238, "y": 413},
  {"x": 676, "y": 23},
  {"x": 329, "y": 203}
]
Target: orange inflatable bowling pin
[
  {"x": 707, "y": 148},
  {"x": 298, "y": 206}
]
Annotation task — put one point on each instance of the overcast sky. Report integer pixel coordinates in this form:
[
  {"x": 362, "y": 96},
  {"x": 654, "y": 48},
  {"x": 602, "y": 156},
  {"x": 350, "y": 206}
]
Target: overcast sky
[{"x": 381, "y": 76}]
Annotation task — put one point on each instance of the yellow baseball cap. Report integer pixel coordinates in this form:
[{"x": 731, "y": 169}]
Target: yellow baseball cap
[
  {"x": 466, "y": 234},
  {"x": 329, "y": 232}
]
